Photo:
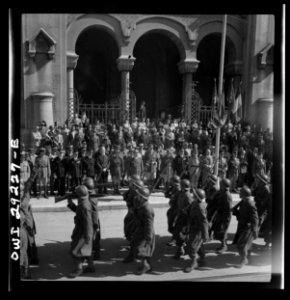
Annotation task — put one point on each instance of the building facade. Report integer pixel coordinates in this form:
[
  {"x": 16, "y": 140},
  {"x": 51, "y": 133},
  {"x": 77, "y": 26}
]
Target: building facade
[{"x": 101, "y": 57}]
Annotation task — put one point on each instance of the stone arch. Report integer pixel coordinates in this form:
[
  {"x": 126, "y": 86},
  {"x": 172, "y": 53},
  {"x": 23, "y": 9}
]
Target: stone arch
[
  {"x": 171, "y": 28},
  {"x": 79, "y": 24},
  {"x": 215, "y": 26}
]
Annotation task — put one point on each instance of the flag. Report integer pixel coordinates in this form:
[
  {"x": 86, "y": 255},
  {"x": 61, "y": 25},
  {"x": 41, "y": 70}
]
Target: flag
[
  {"x": 220, "y": 116},
  {"x": 231, "y": 99},
  {"x": 237, "y": 107}
]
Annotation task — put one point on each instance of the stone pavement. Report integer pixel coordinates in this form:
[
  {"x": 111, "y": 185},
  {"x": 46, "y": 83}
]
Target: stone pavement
[{"x": 107, "y": 202}]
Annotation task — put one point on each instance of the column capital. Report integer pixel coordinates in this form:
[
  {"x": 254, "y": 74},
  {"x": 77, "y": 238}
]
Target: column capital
[
  {"x": 188, "y": 66},
  {"x": 72, "y": 60},
  {"x": 125, "y": 63}
]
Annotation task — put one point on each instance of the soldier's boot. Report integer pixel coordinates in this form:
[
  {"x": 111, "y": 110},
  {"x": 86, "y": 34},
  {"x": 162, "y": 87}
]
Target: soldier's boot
[
  {"x": 223, "y": 248},
  {"x": 243, "y": 262},
  {"x": 192, "y": 265},
  {"x": 78, "y": 270},
  {"x": 144, "y": 268},
  {"x": 180, "y": 251},
  {"x": 129, "y": 258},
  {"x": 90, "y": 268},
  {"x": 201, "y": 262}
]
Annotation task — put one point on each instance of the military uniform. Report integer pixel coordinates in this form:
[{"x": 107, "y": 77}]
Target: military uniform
[
  {"x": 247, "y": 230},
  {"x": 129, "y": 220},
  {"x": 116, "y": 170},
  {"x": 136, "y": 166}
]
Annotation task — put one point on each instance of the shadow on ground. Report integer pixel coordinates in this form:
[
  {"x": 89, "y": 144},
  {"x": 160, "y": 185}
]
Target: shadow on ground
[{"x": 56, "y": 262}]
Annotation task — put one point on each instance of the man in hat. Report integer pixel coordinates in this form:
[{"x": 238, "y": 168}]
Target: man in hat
[
  {"x": 198, "y": 230},
  {"x": 102, "y": 165},
  {"x": 143, "y": 240},
  {"x": 180, "y": 223},
  {"x": 43, "y": 164},
  {"x": 223, "y": 214},
  {"x": 262, "y": 198},
  {"x": 247, "y": 230},
  {"x": 116, "y": 168},
  {"x": 83, "y": 233},
  {"x": 173, "y": 193}
]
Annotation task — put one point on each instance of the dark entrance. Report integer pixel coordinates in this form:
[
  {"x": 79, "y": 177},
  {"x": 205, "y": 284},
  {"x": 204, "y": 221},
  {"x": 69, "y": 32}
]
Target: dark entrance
[
  {"x": 96, "y": 77},
  {"x": 208, "y": 53},
  {"x": 155, "y": 77}
]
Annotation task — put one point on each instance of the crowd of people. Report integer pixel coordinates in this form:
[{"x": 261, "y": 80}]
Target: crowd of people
[{"x": 145, "y": 155}]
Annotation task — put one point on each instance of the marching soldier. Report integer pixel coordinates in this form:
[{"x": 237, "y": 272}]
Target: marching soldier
[
  {"x": 129, "y": 220},
  {"x": 262, "y": 198},
  {"x": 116, "y": 168},
  {"x": 83, "y": 233},
  {"x": 89, "y": 183},
  {"x": 180, "y": 223},
  {"x": 173, "y": 193},
  {"x": 143, "y": 241},
  {"x": 198, "y": 230},
  {"x": 247, "y": 231},
  {"x": 224, "y": 214}
]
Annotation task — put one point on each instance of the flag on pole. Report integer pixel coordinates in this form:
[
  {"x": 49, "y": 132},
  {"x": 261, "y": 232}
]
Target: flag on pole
[
  {"x": 231, "y": 99},
  {"x": 237, "y": 107},
  {"x": 220, "y": 116}
]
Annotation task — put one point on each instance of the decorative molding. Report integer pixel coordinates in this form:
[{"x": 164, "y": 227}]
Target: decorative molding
[
  {"x": 72, "y": 59},
  {"x": 37, "y": 44},
  {"x": 188, "y": 66},
  {"x": 125, "y": 63}
]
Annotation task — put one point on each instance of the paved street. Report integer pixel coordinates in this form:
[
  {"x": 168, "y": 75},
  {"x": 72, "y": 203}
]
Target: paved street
[{"x": 53, "y": 241}]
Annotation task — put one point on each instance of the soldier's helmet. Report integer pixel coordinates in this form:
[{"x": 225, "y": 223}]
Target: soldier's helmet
[
  {"x": 199, "y": 194},
  {"x": 245, "y": 192},
  {"x": 82, "y": 192},
  {"x": 143, "y": 192},
  {"x": 135, "y": 177},
  {"x": 226, "y": 183},
  {"x": 263, "y": 178},
  {"x": 89, "y": 183},
  {"x": 185, "y": 183},
  {"x": 175, "y": 180}
]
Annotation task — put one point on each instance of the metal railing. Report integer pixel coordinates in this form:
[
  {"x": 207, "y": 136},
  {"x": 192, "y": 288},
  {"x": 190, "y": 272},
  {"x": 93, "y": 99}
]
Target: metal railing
[
  {"x": 102, "y": 112},
  {"x": 205, "y": 113}
]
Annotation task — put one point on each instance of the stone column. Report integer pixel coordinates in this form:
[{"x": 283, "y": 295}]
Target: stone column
[
  {"x": 125, "y": 65},
  {"x": 187, "y": 68},
  {"x": 72, "y": 59}
]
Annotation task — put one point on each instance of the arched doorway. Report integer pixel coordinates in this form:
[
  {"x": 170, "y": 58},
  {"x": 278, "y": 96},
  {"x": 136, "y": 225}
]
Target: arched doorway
[
  {"x": 96, "y": 77},
  {"x": 155, "y": 77},
  {"x": 208, "y": 53}
]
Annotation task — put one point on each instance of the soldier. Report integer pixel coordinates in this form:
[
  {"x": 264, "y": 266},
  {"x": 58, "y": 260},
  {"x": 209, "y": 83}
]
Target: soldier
[
  {"x": 198, "y": 230},
  {"x": 44, "y": 164},
  {"x": 247, "y": 231},
  {"x": 223, "y": 216},
  {"x": 83, "y": 233},
  {"x": 180, "y": 223},
  {"x": 102, "y": 165},
  {"x": 116, "y": 168},
  {"x": 262, "y": 198},
  {"x": 89, "y": 183},
  {"x": 129, "y": 220},
  {"x": 143, "y": 241},
  {"x": 173, "y": 193}
]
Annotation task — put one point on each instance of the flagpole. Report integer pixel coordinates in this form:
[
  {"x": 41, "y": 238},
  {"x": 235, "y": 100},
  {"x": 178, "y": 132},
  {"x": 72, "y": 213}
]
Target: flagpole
[{"x": 220, "y": 91}]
